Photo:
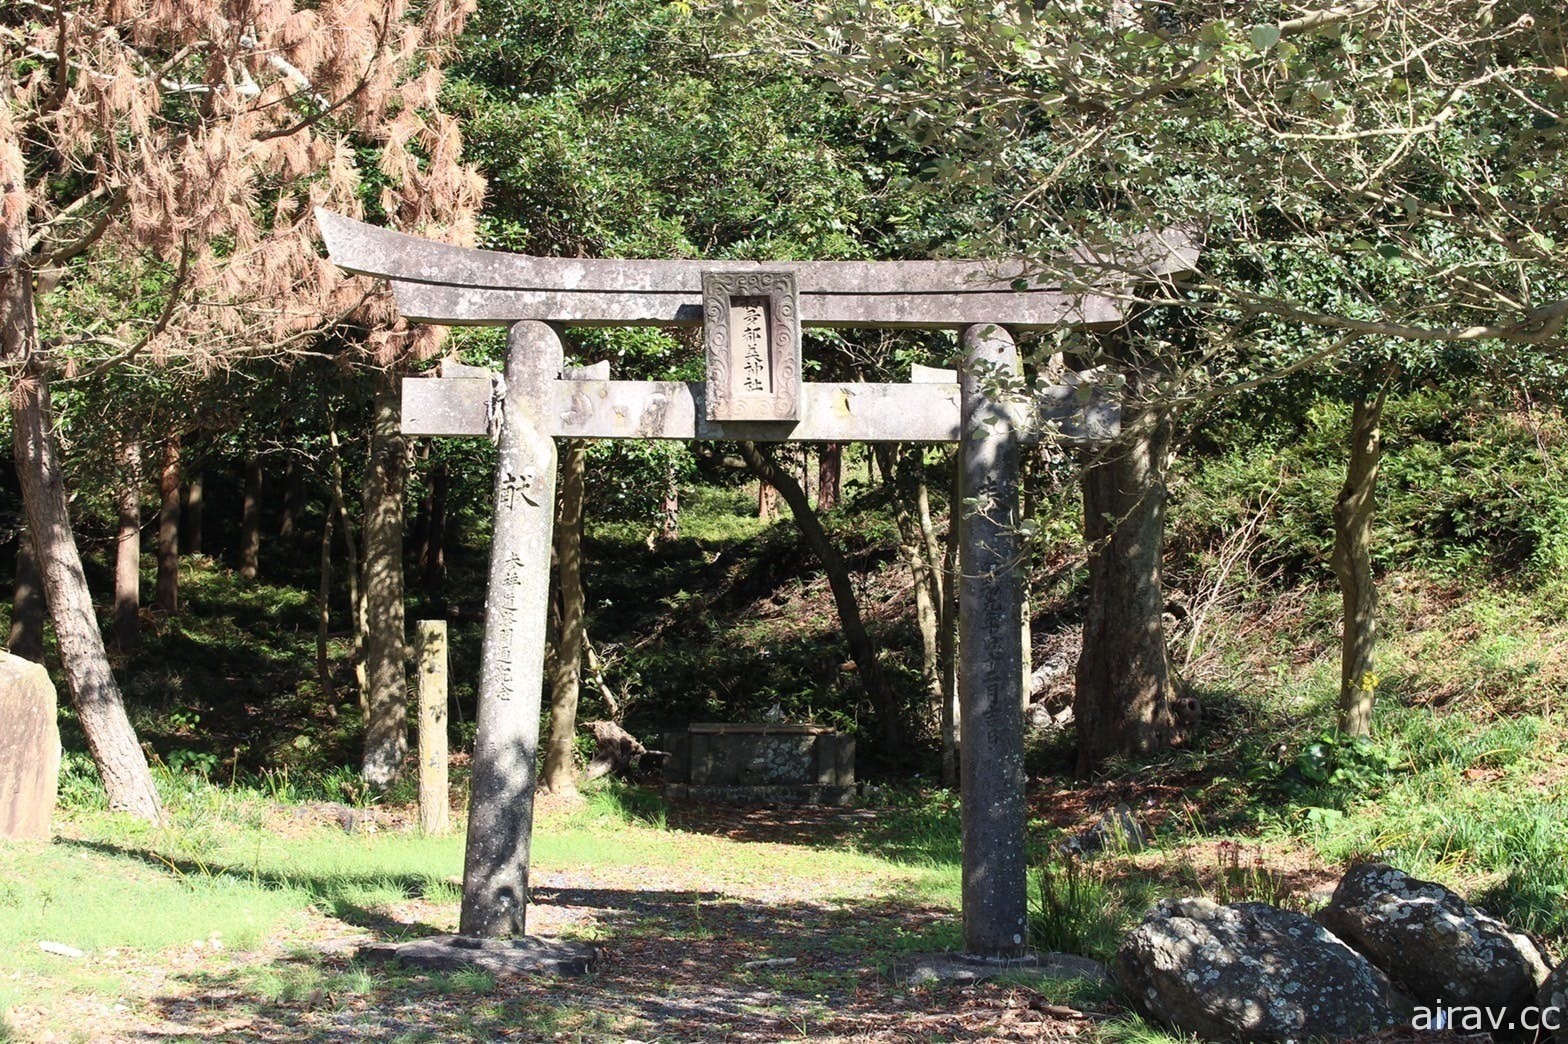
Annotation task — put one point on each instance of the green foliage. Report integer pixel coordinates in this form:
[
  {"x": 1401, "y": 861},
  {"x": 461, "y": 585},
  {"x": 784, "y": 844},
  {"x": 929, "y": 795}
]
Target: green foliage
[
  {"x": 1466, "y": 485},
  {"x": 1078, "y": 910},
  {"x": 80, "y": 787},
  {"x": 1332, "y": 769},
  {"x": 627, "y": 479},
  {"x": 609, "y": 129},
  {"x": 1134, "y": 1029},
  {"x": 611, "y": 802}
]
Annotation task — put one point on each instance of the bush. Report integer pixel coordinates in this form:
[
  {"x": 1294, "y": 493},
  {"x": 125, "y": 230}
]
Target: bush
[{"x": 1463, "y": 486}]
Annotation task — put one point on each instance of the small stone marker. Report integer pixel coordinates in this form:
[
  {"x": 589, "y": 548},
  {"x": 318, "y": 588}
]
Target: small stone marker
[
  {"x": 434, "y": 813},
  {"x": 760, "y": 762},
  {"x": 530, "y": 955},
  {"x": 29, "y": 749}
]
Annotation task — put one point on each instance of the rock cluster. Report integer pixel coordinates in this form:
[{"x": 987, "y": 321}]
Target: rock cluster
[
  {"x": 1436, "y": 946},
  {"x": 1386, "y": 946},
  {"x": 1251, "y": 971}
]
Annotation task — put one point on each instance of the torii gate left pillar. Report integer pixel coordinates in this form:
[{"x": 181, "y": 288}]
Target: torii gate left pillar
[{"x": 511, "y": 669}]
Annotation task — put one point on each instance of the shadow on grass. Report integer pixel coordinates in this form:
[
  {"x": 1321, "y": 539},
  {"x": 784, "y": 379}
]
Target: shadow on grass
[
  {"x": 334, "y": 892},
  {"x": 921, "y": 834},
  {"x": 675, "y": 966}
]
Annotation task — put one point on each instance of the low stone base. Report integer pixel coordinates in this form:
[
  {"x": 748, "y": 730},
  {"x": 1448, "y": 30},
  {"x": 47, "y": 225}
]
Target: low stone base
[
  {"x": 500, "y": 957},
  {"x": 776, "y": 794},
  {"x": 966, "y": 968}
]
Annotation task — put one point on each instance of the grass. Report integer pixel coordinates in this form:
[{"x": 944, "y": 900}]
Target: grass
[
  {"x": 1133, "y": 1029},
  {"x": 218, "y": 892},
  {"x": 711, "y": 516},
  {"x": 1464, "y": 779}
]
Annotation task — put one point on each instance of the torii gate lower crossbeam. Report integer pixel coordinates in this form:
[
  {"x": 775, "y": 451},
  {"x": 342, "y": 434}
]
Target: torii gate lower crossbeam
[{"x": 751, "y": 316}]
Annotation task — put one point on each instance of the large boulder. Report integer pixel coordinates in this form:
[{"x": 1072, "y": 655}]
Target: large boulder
[
  {"x": 1249, "y": 971},
  {"x": 1552, "y": 1005},
  {"x": 1433, "y": 944},
  {"x": 29, "y": 749}
]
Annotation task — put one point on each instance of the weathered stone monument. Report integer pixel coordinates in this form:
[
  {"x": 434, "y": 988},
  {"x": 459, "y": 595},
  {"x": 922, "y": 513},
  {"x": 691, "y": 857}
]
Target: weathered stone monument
[
  {"x": 751, "y": 315},
  {"x": 781, "y": 763},
  {"x": 29, "y": 749}
]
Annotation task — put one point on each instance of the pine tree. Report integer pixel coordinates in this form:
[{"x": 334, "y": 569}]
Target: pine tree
[{"x": 159, "y": 161}]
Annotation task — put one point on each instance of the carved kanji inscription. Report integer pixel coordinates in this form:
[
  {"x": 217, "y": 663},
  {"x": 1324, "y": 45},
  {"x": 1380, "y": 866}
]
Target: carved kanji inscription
[{"x": 751, "y": 326}]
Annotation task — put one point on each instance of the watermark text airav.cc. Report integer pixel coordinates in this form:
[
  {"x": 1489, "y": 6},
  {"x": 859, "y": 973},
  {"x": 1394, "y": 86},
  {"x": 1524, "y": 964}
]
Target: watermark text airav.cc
[{"x": 1477, "y": 1017}]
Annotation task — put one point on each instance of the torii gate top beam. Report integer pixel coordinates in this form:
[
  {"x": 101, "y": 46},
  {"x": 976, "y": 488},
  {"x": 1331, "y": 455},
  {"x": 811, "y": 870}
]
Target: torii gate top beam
[{"x": 440, "y": 283}]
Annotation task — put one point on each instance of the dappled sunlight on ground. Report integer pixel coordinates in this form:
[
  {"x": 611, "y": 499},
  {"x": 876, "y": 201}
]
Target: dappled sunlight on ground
[{"x": 788, "y": 940}]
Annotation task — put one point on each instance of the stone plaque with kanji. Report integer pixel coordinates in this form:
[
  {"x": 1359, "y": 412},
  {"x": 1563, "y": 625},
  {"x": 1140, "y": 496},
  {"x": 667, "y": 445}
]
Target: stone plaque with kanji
[{"x": 751, "y": 327}]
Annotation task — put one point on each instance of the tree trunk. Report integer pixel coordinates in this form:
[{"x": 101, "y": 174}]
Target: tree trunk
[
  {"x": 889, "y": 722},
  {"x": 27, "y": 603},
  {"x": 1123, "y": 700},
  {"x": 560, "y": 773},
  {"x": 356, "y": 598},
  {"x": 923, "y": 571},
  {"x": 432, "y": 551},
  {"x": 166, "y": 595},
  {"x": 419, "y": 529},
  {"x": 99, "y": 706},
  {"x": 940, "y": 576},
  {"x": 293, "y": 500},
  {"x": 435, "y": 797},
  {"x": 250, "y": 521},
  {"x": 386, "y": 727},
  {"x": 128, "y": 547},
  {"x": 614, "y": 704},
  {"x": 830, "y": 470},
  {"x": 1352, "y": 560},
  {"x": 767, "y": 501},
  {"x": 190, "y": 538},
  {"x": 670, "y": 517},
  {"x": 324, "y": 613},
  {"x": 947, "y": 640},
  {"x": 616, "y": 752}
]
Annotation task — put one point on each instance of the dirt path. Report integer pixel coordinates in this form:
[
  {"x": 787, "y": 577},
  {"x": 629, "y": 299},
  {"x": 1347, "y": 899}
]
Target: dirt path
[{"x": 687, "y": 955}]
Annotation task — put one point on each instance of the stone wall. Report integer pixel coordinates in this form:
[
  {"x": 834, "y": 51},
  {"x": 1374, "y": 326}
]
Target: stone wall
[{"x": 784, "y": 763}]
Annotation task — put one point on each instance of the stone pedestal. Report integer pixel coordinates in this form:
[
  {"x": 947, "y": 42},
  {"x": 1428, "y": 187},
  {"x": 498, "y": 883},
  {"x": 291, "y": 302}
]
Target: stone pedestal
[{"x": 29, "y": 749}]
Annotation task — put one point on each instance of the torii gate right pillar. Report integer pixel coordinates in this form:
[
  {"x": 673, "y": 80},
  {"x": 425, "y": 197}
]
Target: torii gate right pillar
[{"x": 990, "y": 669}]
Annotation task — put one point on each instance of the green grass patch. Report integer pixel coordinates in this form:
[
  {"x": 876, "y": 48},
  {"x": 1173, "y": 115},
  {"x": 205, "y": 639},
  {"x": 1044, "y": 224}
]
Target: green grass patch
[
  {"x": 233, "y": 872},
  {"x": 1134, "y": 1029}
]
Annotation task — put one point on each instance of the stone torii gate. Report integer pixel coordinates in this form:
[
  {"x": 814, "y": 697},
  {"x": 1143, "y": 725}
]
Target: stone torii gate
[{"x": 751, "y": 315}]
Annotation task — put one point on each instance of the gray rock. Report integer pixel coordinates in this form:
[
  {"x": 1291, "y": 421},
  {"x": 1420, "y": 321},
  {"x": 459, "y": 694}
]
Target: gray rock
[
  {"x": 502, "y": 958},
  {"x": 1042, "y": 717},
  {"x": 1117, "y": 830},
  {"x": 1251, "y": 972},
  {"x": 1552, "y": 1004},
  {"x": 1431, "y": 942},
  {"x": 1040, "y": 967}
]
